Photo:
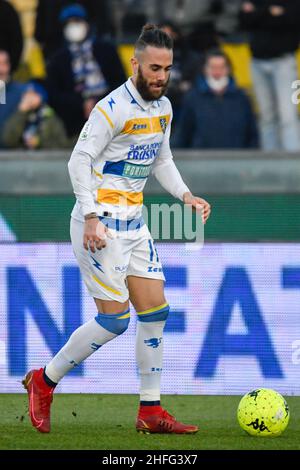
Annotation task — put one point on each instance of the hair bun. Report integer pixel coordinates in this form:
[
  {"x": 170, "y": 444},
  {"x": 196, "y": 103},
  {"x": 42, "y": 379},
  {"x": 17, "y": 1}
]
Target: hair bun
[
  {"x": 151, "y": 35},
  {"x": 149, "y": 27}
]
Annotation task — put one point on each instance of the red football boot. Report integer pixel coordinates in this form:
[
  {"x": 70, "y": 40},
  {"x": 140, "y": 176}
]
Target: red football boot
[
  {"x": 160, "y": 421},
  {"x": 40, "y": 397}
]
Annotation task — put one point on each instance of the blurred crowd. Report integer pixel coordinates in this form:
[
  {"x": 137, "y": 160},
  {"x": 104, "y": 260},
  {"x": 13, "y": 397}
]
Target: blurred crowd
[{"x": 80, "y": 48}]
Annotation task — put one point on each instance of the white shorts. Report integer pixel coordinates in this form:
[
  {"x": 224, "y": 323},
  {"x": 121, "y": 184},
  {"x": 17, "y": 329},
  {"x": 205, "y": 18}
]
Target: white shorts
[{"x": 130, "y": 253}]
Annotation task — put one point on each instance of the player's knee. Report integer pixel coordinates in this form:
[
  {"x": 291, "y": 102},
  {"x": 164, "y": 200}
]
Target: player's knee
[
  {"x": 159, "y": 313},
  {"x": 115, "y": 323}
]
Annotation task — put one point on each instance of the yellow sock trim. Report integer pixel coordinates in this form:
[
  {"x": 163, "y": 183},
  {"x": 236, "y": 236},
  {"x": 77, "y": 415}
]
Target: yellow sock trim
[
  {"x": 127, "y": 315},
  {"x": 151, "y": 310}
]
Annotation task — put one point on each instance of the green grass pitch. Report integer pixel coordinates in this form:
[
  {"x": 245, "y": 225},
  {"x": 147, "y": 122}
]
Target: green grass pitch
[{"x": 81, "y": 421}]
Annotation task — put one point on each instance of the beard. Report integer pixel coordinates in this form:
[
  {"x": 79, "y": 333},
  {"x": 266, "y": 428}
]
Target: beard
[{"x": 145, "y": 90}]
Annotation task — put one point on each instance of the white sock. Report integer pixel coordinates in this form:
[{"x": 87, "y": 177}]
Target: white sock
[
  {"x": 87, "y": 339},
  {"x": 149, "y": 358}
]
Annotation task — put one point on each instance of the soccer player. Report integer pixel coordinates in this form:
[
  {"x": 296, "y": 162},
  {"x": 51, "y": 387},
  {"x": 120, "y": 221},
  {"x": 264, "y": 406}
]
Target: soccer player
[{"x": 126, "y": 137}]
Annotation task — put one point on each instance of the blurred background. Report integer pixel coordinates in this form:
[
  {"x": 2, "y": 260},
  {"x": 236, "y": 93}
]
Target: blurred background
[{"x": 236, "y": 141}]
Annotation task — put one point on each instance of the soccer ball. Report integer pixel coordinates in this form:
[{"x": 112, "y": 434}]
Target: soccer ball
[{"x": 263, "y": 412}]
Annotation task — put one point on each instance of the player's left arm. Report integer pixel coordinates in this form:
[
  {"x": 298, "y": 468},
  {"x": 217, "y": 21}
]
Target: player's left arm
[{"x": 167, "y": 174}]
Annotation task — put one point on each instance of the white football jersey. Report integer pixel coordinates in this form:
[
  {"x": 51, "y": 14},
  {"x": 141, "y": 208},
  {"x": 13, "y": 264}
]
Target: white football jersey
[{"x": 126, "y": 138}]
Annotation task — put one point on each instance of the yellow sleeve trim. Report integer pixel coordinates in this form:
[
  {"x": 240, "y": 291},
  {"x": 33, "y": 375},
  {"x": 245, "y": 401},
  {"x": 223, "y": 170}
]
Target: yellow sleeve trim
[
  {"x": 106, "y": 116},
  {"x": 98, "y": 174}
]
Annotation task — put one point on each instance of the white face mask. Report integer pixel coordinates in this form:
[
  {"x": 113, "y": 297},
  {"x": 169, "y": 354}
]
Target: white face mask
[
  {"x": 217, "y": 84},
  {"x": 76, "y": 32}
]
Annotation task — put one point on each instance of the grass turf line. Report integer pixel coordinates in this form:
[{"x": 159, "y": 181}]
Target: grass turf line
[{"x": 82, "y": 421}]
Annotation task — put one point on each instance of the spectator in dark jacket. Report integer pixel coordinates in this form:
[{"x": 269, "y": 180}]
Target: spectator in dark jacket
[
  {"x": 34, "y": 124},
  {"x": 82, "y": 72},
  {"x": 48, "y": 31},
  {"x": 216, "y": 113},
  {"x": 11, "y": 38},
  {"x": 274, "y": 38},
  {"x": 11, "y": 96}
]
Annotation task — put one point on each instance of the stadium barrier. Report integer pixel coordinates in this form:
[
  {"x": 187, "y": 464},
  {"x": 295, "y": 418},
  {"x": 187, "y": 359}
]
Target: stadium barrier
[{"x": 253, "y": 194}]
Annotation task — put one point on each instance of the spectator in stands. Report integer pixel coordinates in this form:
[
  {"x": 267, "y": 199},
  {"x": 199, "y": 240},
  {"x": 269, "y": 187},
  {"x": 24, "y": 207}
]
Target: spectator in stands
[
  {"x": 216, "y": 113},
  {"x": 82, "y": 72},
  {"x": 11, "y": 37},
  {"x": 184, "y": 70},
  {"x": 13, "y": 91},
  {"x": 34, "y": 124},
  {"x": 227, "y": 20},
  {"x": 187, "y": 13},
  {"x": 274, "y": 38},
  {"x": 48, "y": 31}
]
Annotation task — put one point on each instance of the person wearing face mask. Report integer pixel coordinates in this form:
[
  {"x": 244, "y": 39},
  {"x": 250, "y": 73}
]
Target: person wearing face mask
[
  {"x": 82, "y": 72},
  {"x": 216, "y": 113},
  {"x": 48, "y": 32}
]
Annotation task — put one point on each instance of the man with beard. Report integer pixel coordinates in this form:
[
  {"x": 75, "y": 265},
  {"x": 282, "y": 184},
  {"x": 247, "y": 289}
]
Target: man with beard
[{"x": 126, "y": 137}]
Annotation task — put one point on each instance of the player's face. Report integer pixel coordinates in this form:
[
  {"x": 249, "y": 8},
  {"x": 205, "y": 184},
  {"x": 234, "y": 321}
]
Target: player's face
[
  {"x": 217, "y": 68},
  {"x": 4, "y": 66},
  {"x": 152, "y": 72}
]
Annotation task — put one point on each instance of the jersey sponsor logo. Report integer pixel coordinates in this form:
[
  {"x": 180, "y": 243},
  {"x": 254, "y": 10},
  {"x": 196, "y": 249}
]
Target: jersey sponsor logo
[
  {"x": 127, "y": 169},
  {"x": 149, "y": 125},
  {"x": 137, "y": 127},
  {"x": 151, "y": 269},
  {"x": 136, "y": 171},
  {"x": 153, "y": 342},
  {"x": 121, "y": 269},
  {"x": 144, "y": 151}
]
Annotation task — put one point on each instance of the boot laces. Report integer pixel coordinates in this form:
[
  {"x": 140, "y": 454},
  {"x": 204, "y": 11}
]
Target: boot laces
[{"x": 167, "y": 421}]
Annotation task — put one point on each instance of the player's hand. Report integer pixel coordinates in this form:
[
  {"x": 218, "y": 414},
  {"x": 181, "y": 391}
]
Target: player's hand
[
  {"x": 95, "y": 235},
  {"x": 199, "y": 204}
]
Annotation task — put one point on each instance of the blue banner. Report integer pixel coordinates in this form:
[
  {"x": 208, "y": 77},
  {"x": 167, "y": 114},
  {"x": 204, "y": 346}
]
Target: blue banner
[{"x": 234, "y": 323}]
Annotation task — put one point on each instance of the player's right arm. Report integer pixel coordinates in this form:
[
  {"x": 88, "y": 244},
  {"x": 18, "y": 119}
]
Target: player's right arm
[{"x": 95, "y": 135}]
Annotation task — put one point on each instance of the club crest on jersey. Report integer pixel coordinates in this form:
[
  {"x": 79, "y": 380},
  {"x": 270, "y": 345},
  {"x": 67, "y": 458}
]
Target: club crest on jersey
[{"x": 163, "y": 124}]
